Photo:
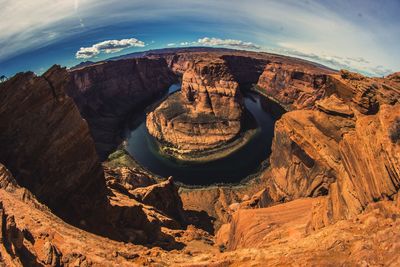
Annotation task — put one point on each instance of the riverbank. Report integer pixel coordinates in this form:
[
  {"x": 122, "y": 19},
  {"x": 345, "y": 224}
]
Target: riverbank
[{"x": 207, "y": 155}]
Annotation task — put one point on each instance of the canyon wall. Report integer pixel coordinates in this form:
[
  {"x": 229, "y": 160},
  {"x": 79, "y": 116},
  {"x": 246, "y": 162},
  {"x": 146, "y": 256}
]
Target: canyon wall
[
  {"x": 108, "y": 93},
  {"x": 293, "y": 85},
  {"x": 46, "y": 144},
  {"x": 346, "y": 149}
]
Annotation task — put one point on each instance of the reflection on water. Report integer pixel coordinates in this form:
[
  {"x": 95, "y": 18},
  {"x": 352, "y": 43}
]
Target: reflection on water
[{"x": 231, "y": 169}]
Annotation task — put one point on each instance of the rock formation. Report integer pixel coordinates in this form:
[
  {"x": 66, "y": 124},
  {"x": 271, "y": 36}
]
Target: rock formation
[
  {"x": 46, "y": 144},
  {"x": 342, "y": 148},
  {"x": 108, "y": 93},
  {"x": 205, "y": 115},
  {"x": 32, "y": 235},
  {"x": 293, "y": 85}
]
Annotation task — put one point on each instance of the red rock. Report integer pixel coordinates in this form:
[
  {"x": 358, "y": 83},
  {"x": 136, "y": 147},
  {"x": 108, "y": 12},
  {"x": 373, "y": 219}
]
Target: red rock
[
  {"x": 204, "y": 115},
  {"x": 47, "y": 145}
]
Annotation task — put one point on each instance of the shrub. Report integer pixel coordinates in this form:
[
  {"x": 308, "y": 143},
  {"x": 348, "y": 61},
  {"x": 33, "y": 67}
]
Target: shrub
[{"x": 394, "y": 131}]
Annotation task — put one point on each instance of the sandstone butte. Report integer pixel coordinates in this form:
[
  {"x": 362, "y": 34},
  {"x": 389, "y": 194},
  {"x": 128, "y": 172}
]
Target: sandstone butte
[
  {"x": 330, "y": 196},
  {"x": 205, "y": 115}
]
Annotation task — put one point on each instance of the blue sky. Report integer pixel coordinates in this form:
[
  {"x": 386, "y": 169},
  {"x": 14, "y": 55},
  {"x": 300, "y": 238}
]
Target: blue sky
[{"x": 360, "y": 35}]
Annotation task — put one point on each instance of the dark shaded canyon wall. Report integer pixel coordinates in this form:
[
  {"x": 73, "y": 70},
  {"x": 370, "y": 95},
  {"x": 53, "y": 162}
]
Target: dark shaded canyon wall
[
  {"x": 47, "y": 145},
  {"x": 245, "y": 69},
  {"x": 109, "y": 92}
]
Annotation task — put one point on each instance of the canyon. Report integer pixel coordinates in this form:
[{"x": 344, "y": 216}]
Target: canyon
[
  {"x": 72, "y": 196},
  {"x": 105, "y": 96}
]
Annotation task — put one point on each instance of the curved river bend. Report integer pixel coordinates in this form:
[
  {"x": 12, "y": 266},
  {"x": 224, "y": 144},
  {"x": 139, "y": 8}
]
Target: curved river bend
[{"x": 231, "y": 169}]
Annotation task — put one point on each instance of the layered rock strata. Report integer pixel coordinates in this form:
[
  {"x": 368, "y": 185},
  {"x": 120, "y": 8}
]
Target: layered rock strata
[
  {"x": 341, "y": 149},
  {"x": 293, "y": 85},
  {"x": 31, "y": 235},
  {"x": 108, "y": 93},
  {"x": 206, "y": 114}
]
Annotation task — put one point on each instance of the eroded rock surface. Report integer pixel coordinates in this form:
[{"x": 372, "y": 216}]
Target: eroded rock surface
[
  {"x": 204, "y": 115},
  {"x": 294, "y": 85},
  {"x": 341, "y": 149},
  {"x": 50, "y": 152},
  {"x": 47, "y": 145}
]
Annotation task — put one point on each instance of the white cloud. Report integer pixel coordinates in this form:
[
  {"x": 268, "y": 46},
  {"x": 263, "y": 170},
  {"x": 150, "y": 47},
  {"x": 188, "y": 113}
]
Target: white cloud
[
  {"x": 312, "y": 26},
  {"x": 185, "y": 43},
  {"x": 171, "y": 44},
  {"x": 357, "y": 64},
  {"x": 109, "y": 46},
  {"x": 227, "y": 42}
]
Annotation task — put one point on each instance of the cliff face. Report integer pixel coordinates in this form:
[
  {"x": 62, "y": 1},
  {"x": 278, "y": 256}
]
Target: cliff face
[
  {"x": 343, "y": 148},
  {"x": 205, "y": 114},
  {"x": 46, "y": 144},
  {"x": 108, "y": 93},
  {"x": 293, "y": 85}
]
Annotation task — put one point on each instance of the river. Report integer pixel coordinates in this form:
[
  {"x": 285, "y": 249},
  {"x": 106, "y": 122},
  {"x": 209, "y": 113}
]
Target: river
[{"x": 231, "y": 169}]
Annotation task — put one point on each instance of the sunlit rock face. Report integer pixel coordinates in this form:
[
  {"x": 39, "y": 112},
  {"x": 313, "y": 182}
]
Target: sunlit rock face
[
  {"x": 342, "y": 148},
  {"x": 294, "y": 86},
  {"x": 205, "y": 114}
]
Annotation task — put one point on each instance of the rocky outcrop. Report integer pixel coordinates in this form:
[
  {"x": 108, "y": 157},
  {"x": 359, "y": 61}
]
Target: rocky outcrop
[
  {"x": 278, "y": 236},
  {"x": 294, "y": 86},
  {"x": 108, "y": 93},
  {"x": 333, "y": 105},
  {"x": 47, "y": 145},
  {"x": 206, "y": 114},
  {"x": 305, "y": 152},
  {"x": 162, "y": 196},
  {"x": 365, "y": 93},
  {"x": 32, "y": 236},
  {"x": 370, "y": 167},
  {"x": 342, "y": 149},
  {"x": 258, "y": 227}
]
